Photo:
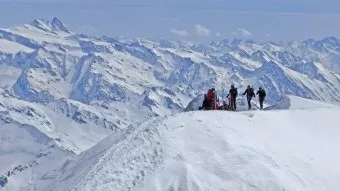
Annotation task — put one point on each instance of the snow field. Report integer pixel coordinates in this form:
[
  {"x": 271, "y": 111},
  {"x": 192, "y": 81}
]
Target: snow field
[{"x": 215, "y": 150}]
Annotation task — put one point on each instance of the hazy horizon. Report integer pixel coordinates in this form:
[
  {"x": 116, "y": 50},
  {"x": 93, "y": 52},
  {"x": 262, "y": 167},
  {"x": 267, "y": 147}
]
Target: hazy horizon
[{"x": 196, "y": 21}]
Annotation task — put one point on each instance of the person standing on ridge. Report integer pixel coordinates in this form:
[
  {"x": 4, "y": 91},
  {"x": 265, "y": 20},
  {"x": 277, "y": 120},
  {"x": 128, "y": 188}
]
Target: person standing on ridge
[
  {"x": 232, "y": 97},
  {"x": 205, "y": 103},
  {"x": 250, "y": 94},
  {"x": 211, "y": 99},
  {"x": 262, "y": 96}
]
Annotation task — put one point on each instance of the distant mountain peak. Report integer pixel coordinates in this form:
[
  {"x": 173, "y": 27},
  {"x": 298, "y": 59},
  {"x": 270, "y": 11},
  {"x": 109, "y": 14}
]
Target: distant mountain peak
[
  {"x": 58, "y": 25},
  {"x": 40, "y": 23},
  {"x": 333, "y": 41},
  {"x": 331, "y": 38},
  {"x": 50, "y": 26}
]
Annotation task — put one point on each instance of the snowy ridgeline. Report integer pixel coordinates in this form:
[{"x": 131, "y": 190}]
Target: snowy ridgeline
[
  {"x": 214, "y": 150},
  {"x": 61, "y": 93},
  {"x": 44, "y": 61}
]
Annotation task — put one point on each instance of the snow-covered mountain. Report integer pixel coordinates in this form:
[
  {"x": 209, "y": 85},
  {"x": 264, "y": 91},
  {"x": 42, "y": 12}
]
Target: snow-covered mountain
[
  {"x": 62, "y": 92},
  {"x": 271, "y": 150}
]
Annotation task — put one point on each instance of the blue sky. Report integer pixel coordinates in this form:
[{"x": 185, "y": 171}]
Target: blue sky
[{"x": 195, "y": 20}]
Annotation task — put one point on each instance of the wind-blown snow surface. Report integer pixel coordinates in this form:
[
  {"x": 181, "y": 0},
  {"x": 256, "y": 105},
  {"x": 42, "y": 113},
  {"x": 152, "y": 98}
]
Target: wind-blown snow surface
[
  {"x": 297, "y": 103},
  {"x": 215, "y": 150}
]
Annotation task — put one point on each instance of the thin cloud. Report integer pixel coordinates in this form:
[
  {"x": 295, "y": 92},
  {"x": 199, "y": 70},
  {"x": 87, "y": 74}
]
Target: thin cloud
[
  {"x": 242, "y": 32},
  {"x": 182, "y": 33},
  {"x": 218, "y": 34},
  {"x": 202, "y": 30},
  {"x": 172, "y": 19}
]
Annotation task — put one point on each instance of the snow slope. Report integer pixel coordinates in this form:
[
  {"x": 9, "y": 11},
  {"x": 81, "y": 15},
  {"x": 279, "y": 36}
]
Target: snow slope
[
  {"x": 7, "y": 46},
  {"x": 297, "y": 103},
  {"x": 37, "y": 138},
  {"x": 215, "y": 150}
]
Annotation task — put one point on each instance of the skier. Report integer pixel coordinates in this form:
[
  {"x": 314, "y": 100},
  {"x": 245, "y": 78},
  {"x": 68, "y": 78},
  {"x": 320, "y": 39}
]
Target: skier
[
  {"x": 262, "y": 96},
  {"x": 233, "y": 94},
  {"x": 250, "y": 94},
  {"x": 205, "y": 103}
]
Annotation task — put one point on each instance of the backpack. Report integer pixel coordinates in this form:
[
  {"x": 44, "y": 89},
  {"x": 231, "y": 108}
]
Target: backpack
[
  {"x": 210, "y": 95},
  {"x": 233, "y": 92},
  {"x": 262, "y": 93},
  {"x": 251, "y": 93}
]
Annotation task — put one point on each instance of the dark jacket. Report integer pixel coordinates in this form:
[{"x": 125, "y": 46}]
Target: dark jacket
[
  {"x": 250, "y": 92},
  {"x": 205, "y": 103},
  {"x": 261, "y": 93},
  {"x": 233, "y": 92}
]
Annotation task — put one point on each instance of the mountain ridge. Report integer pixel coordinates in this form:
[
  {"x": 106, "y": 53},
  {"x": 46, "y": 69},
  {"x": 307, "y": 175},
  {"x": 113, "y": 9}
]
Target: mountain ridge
[{"x": 203, "y": 150}]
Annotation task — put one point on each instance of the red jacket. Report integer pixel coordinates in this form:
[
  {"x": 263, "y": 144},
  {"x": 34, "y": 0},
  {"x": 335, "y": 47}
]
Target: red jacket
[{"x": 210, "y": 95}]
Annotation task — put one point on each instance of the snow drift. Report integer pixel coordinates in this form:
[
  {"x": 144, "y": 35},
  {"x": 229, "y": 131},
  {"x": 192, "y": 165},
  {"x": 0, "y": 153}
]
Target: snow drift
[
  {"x": 293, "y": 102},
  {"x": 215, "y": 150}
]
